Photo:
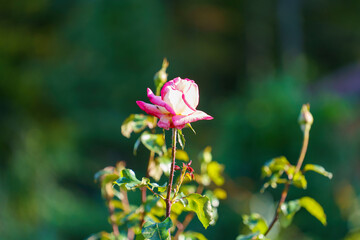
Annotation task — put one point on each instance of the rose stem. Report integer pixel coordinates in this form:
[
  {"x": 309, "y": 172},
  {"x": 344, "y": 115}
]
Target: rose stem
[
  {"x": 169, "y": 189},
  {"x": 287, "y": 185}
]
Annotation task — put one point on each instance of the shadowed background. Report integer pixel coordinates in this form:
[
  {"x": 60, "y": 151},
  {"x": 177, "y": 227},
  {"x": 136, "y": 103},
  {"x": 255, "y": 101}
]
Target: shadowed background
[{"x": 71, "y": 71}]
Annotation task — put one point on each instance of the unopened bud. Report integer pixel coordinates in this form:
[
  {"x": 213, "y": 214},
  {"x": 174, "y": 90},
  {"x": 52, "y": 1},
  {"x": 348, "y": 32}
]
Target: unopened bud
[
  {"x": 177, "y": 168},
  {"x": 305, "y": 118},
  {"x": 160, "y": 77}
]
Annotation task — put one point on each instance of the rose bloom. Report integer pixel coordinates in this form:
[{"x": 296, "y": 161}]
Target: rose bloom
[{"x": 177, "y": 104}]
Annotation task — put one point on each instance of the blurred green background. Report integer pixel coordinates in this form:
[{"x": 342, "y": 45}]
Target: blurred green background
[{"x": 71, "y": 71}]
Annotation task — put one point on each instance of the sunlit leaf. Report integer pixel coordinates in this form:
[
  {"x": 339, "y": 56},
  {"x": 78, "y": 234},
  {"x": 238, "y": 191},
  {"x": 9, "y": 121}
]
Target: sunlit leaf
[
  {"x": 288, "y": 211},
  {"x": 201, "y": 206},
  {"x": 314, "y": 208},
  {"x": 255, "y": 222},
  {"x": 102, "y": 172},
  {"x": 181, "y": 139},
  {"x": 319, "y": 169},
  {"x": 275, "y": 165},
  {"x": 155, "y": 171},
  {"x": 215, "y": 170},
  {"x": 220, "y": 193},
  {"x": 252, "y": 236},
  {"x": 136, "y": 123},
  {"x": 153, "y": 142},
  {"x": 129, "y": 181},
  {"x": 117, "y": 204},
  {"x": 159, "y": 188},
  {"x": 157, "y": 231},
  {"x": 192, "y": 236},
  {"x": 206, "y": 156},
  {"x": 164, "y": 164},
  {"x": 299, "y": 180},
  {"x": 181, "y": 155}
]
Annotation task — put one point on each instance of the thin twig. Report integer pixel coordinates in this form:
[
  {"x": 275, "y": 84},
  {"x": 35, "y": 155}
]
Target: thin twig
[
  {"x": 287, "y": 185},
  {"x": 143, "y": 190},
  {"x": 111, "y": 209}
]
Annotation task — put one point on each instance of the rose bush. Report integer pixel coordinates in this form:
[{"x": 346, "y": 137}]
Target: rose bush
[{"x": 176, "y": 105}]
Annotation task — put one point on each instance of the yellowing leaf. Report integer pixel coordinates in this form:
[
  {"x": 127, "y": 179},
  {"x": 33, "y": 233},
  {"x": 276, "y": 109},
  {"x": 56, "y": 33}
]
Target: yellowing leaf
[
  {"x": 220, "y": 193},
  {"x": 215, "y": 170},
  {"x": 201, "y": 206},
  {"x": 314, "y": 208},
  {"x": 318, "y": 169},
  {"x": 153, "y": 142},
  {"x": 136, "y": 123},
  {"x": 255, "y": 222}
]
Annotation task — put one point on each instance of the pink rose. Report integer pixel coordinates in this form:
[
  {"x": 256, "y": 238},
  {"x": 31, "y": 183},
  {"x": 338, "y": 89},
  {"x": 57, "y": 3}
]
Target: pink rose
[{"x": 177, "y": 104}]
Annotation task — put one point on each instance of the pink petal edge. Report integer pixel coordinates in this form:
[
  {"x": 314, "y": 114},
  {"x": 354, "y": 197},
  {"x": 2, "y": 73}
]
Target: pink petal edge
[
  {"x": 179, "y": 120},
  {"x": 150, "y": 109},
  {"x": 158, "y": 101}
]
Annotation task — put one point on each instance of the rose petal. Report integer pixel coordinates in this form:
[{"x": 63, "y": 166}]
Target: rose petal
[
  {"x": 196, "y": 116},
  {"x": 158, "y": 101},
  {"x": 174, "y": 99},
  {"x": 170, "y": 85},
  {"x": 165, "y": 122},
  {"x": 191, "y": 96},
  {"x": 152, "y": 109}
]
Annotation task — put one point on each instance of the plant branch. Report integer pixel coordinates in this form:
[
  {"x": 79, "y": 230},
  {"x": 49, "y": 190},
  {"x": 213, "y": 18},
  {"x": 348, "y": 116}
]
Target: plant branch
[
  {"x": 143, "y": 190},
  {"x": 111, "y": 209},
  {"x": 287, "y": 185}
]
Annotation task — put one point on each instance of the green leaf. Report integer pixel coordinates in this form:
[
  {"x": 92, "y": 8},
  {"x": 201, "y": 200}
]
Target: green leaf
[
  {"x": 252, "y": 236},
  {"x": 157, "y": 231},
  {"x": 299, "y": 180},
  {"x": 275, "y": 165},
  {"x": 201, "y": 206},
  {"x": 103, "y": 172},
  {"x": 318, "y": 169},
  {"x": 136, "y": 123},
  {"x": 129, "y": 181},
  {"x": 190, "y": 235},
  {"x": 215, "y": 170},
  {"x": 220, "y": 193},
  {"x": 153, "y": 142},
  {"x": 155, "y": 171},
  {"x": 150, "y": 203},
  {"x": 288, "y": 211},
  {"x": 181, "y": 139},
  {"x": 314, "y": 208},
  {"x": 165, "y": 164},
  {"x": 181, "y": 155},
  {"x": 206, "y": 156},
  {"x": 161, "y": 188},
  {"x": 255, "y": 222}
]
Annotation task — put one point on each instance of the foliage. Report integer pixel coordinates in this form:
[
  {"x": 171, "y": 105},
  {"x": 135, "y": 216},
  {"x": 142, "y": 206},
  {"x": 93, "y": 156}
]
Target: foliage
[
  {"x": 150, "y": 220},
  {"x": 280, "y": 171}
]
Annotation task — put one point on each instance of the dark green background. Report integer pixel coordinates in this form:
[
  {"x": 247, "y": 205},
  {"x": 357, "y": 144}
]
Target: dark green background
[{"x": 71, "y": 71}]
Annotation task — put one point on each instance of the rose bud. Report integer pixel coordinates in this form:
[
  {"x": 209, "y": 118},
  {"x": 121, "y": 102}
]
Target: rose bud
[{"x": 177, "y": 168}]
